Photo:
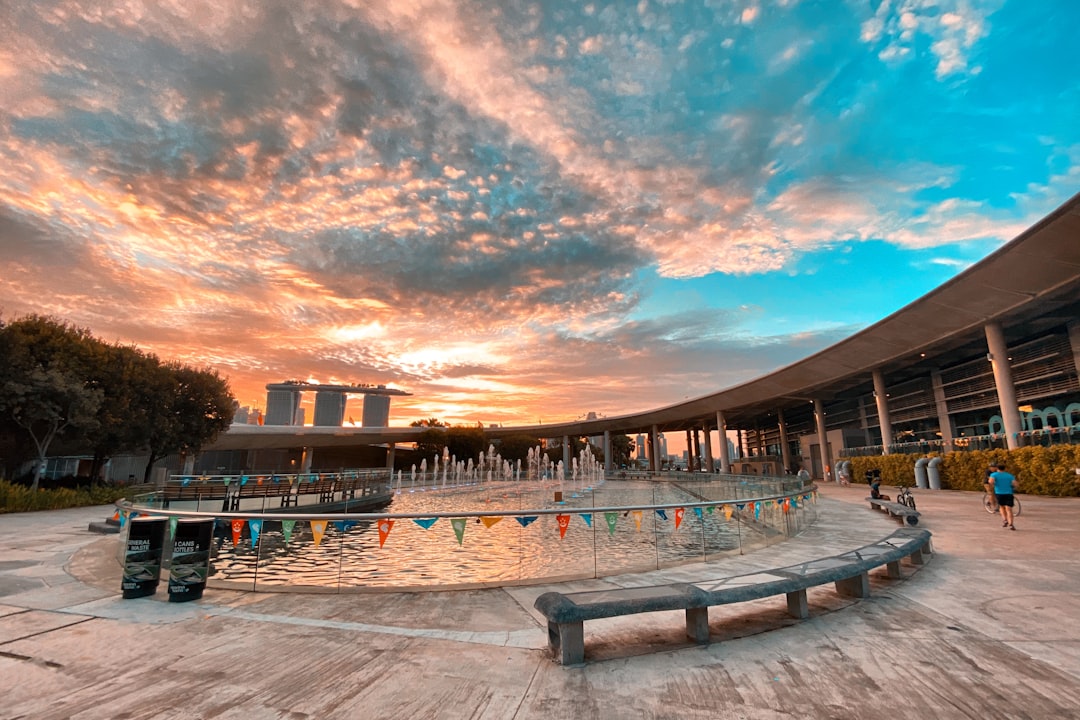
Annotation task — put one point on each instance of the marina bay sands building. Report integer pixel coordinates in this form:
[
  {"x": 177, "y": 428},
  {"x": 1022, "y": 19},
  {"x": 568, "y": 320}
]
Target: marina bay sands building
[{"x": 283, "y": 403}]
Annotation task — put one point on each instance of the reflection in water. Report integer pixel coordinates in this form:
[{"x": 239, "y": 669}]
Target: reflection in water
[{"x": 503, "y": 551}]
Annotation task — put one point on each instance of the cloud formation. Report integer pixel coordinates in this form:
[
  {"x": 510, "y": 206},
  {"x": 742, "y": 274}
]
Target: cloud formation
[{"x": 473, "y": 199}]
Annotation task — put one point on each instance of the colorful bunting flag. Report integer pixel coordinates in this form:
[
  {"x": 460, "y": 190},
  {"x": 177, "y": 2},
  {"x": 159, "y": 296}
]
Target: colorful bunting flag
[
  {"x": 237, "y": 528},
  {"x": 662, "y": 514},
  {"x": 287, "y": 528},
  {"x": 425, "y": 523},
  {"x": 728, "y": 512},
  {"x": 637, "y": 519},
  {"x": 172, "y": 526},
  {"x": 611, "y": 518},
  {"x": 787, "y": 505},
  {"x": 564, "y": 522},
  {"x": 525, "y": 520},
  {"x": 318, "y": 529},
  {"x": 123, "y": 518},
  {"x": 459, "y": 528},
  {"x": 699, "y": 513},
  {"x": 757, "y": 510},
  {"x": 243, "y": 480},
  {"x": 587, "y": 517},
  {"x": 490, "y": 520},
  {"x": 679, "y": 512},
  {"x": 256, "y": 528},
  {"x": 185, "y": 482},
  {"x": 385, "y": 525}
]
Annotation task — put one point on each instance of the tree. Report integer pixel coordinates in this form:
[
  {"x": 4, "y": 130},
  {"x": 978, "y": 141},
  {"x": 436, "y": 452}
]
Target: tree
[
  {"x": 465, "y": 442},
  {"x": 516, "y": 447},
  {"x": 195, "y": 407},
  {"x": 622, "y": 449},
  {"x": 44, "y": 390}
]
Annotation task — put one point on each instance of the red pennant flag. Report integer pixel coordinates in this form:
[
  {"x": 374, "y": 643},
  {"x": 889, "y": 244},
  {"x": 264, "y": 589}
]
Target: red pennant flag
[
  {"x": 678, "y": 516},
  {"x": 385, "y": 525},
  {"x": 564, "y": 522},
  {"x": 237, "y": 528}
]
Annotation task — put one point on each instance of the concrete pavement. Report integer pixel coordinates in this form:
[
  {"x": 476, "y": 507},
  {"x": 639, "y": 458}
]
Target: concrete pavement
[{"x": 987, "y": 629}]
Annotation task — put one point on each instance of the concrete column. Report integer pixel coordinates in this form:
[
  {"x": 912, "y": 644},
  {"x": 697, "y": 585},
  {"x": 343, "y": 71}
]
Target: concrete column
[
  {"x": 740, "y": 444},
  {"x": 658, "y": 464},
  {"x": 305, "y": 459},
  {"x": 689, "y": 451},
  {"x": 721, "y": 432},
  {"x": 390, "y": 458},
  {"x": 785, "y": 450},
  {"x": 189, "y": 464},
  {"x": 709, "y": 464},
  {"x": 823, "y": 438},
  {"x": 697, "y": 450},
  {"x": 566, "y": 455},
  {"x": 608, "y": 464},
  {"x": 883, "y": 411},
  {"x": 1006, "y": 391},
  {"x": 942, "y": 406}
]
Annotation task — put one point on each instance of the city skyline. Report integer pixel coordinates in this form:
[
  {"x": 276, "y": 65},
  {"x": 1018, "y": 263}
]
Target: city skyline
[{"x": 518, "y": 212}]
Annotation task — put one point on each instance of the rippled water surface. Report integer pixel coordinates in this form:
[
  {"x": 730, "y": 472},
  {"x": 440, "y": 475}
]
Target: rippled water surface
[{"x": 503, "y": 551}]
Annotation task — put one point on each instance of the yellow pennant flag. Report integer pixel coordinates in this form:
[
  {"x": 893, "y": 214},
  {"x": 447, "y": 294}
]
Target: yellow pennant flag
[
  {"x": 728, "y": 512},
  {"x": 318, "y": 529},
  {"x": 637, "y": 519},
  {"x": 489, "y": 521}
]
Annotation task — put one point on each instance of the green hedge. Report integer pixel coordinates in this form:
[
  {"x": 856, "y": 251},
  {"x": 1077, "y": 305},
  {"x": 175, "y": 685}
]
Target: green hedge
[
  {"x": 1038, "y": 470},
  {"x": 19, "y": 498}
]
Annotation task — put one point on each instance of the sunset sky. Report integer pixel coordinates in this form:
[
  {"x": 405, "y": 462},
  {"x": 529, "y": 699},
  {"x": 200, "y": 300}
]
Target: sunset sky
[{"x": 517, "y": 211}]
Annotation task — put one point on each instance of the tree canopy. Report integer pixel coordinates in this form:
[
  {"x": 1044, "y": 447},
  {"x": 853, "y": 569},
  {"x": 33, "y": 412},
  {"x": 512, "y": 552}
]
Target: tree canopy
[{"x": 59, "y": 383}]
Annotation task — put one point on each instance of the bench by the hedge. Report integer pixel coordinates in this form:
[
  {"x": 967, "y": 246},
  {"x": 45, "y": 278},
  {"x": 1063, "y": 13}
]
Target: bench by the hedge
[
  {"x": 567, "y": 613},
  {"x": 902, "y": 513}
]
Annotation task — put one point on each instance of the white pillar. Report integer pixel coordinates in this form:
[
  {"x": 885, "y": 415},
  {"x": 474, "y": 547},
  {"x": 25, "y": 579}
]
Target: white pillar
[
  {"x": 883, "y": 411},
  {"x": 785, "y": 451},
  {"x": 1006, "y": 391},
  {"x": 608, "y": 464},
  {"x": 823, "y": 439},
  {"x": 721, "y": 431},
  {"x": 566, "y": 454}
]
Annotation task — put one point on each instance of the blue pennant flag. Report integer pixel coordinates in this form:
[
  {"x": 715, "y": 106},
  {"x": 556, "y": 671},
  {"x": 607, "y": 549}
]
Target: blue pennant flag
[
  {"x": 525, "y": 520},
  {"x": 243, "y": 479},
  {"x": 256, "y": 527},
  {"x": 662, "y": 514},
  {"x": 697, "y": 511},
  {"x": 425, "y": 523},
  {"x": 185, "y": 482},
  {"x": 740, "y": 506},
  {"x": 587, "y": 517}
]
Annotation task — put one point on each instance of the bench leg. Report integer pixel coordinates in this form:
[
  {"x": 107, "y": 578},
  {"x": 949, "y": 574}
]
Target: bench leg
[
  {"x": 916, "y": 557},
  {"x": 797, "y": 605},
  {"x": 567, "y": 642},
  {"x": 857, "y": 587},
  {"x": 893, "y": 570},
  {"x": 697, "y": 624}
]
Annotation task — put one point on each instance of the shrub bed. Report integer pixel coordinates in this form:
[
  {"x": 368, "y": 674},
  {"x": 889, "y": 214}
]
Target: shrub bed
[{"x": 20, "y": 498}]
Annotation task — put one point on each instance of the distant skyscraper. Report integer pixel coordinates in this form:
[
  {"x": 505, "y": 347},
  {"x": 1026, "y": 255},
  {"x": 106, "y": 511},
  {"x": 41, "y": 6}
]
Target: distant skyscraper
[
  {"x": 641, "y": 443},
  {"x": 281, "y": 406},
  {"x": 376, "y": 411},
  {"x": 329, "y": 408}
]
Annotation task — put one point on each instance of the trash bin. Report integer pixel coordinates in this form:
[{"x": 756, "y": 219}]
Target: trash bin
[
  {"x": 142, "y": 556},
  {"x": 190, "y": 559}
]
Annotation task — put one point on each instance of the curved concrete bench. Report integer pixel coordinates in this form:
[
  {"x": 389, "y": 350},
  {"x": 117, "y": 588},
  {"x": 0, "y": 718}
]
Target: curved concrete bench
[
  {"x": 901, "y": 512},
  {"x": 566, "y": 613}
]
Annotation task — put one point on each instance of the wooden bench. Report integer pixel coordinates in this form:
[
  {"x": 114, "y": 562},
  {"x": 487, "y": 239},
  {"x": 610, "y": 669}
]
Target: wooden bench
[
  {"x": 902, "y": 513},
  {"x": 192, "y": 489},
  {"x": 566, "y": 613},
  {"x": 262, "y": 486}
]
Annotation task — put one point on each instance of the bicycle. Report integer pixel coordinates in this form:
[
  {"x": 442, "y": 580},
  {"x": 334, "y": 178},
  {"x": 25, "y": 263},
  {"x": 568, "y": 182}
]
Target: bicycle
[
  {"x": 904, "y": 496},
  {"x": 991, "y": 506}
]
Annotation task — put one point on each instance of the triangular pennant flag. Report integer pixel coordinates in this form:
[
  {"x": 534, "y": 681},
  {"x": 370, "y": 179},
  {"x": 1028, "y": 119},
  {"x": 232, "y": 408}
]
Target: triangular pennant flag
[
  {"x": 637, "y": 519},
  {"x": 227, "y": 481},
  {"x": 185, "y": 482},
  {"x": 385, "y": 525},
  {"x": 711, "y": 508},
  {"x": 256, "y": 528},
  {"x": 339, "y": 524},
  {"x": 611, "y": 518},
  {"x": 662, "y": 514},
  {"x": 459, "y": 528},
  {"x": 237, "y": 528},
  {"x": 787, "y": 505},
  {"x": 259, "y": 480},
  {"x": 243, "y": 480},
  {"x": 728, "y": 512},
  {"x": 794, "y": 502},
  {"x": 123, "y": 518},
  {"x": 587, "y": 517},
  {"x": 425, "y": 523},
  {"x": 172, "y": 526},
  {"x": 489, "y": 520},
  {"x": 699, "y": 513},
  {"x": 757, "y": 510},
  {"x": 318, "y": 529},
  {"x": 564, "y": 522},
  {"x": 679, "y": 512},
  {"x": 116, "y": 515},
  {"x": 526, "y": 520},
  {"x": 768, "y": 503},
  {"x": 287, "y": 528},
  {"x": 740, "y": 506}
]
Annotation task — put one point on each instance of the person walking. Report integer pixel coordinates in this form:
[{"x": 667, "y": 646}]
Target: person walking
[{"x": 1004, "y": 487}]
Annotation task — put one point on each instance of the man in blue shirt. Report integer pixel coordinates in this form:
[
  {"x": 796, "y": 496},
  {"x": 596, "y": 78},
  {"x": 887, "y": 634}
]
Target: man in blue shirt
[{"x": 1004, "y": 486}]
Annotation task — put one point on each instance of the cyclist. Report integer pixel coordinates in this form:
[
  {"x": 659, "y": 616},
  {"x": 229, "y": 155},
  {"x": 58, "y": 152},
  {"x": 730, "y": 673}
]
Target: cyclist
[{"x": 1004, "y": 487}]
